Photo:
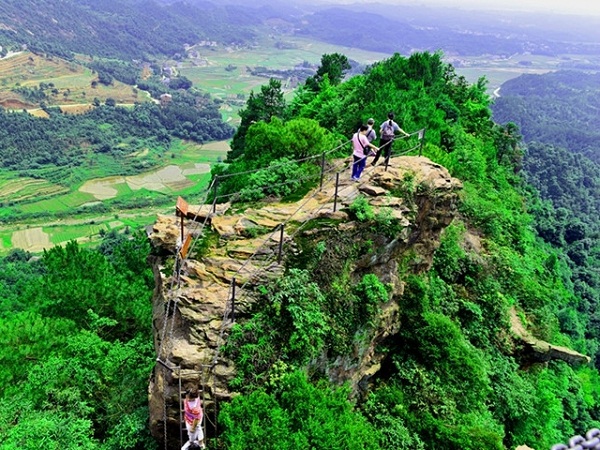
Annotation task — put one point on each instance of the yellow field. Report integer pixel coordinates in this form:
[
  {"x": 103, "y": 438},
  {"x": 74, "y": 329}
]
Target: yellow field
[
  {"x": 31, "y": 239},
  {"x": 72, "y": 82}
]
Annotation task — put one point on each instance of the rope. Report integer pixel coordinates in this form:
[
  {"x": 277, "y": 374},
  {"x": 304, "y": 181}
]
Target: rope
[
  {"x": 274, "y": 166},
  {"x": 165, "y": 413}
]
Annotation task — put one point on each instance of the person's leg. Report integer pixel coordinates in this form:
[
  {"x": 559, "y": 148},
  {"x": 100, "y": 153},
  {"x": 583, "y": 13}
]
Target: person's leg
[
  {"x": 361, "y": 166},
  {"x": 355, "y": 173},
  {"x": 388, "y": 152},
  {"x": 377, "y": 155},
  {"x": 189, "y": 442},
  {"x": 201, "y": 437},
  {"x": 197, "y": 436}
]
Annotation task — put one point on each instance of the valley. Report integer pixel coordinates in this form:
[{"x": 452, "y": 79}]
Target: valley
[{"x": 227, "y": 73}]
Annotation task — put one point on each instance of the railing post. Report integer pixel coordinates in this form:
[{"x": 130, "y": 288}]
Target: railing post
[
  {"x": 279, "y": 256},
  {"x": 213, "y": 208},
  {"x": 182, "y": 232},
  {"x": 322, "y": 170},
  {"x": 421, "y": 139},
  {"x": 181, "y": 209},
  {"x": 215, "y": 186},
  {"x": 233, "y": 299},
  {"x": 335, "y": 196}
]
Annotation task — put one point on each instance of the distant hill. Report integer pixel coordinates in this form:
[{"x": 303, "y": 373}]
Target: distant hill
[
  {"x": 405, "y": 29},
  {"x": 558, "y": 108},
  {"x": 140, "y": 29},
  {"x": 128, "y": 29}
]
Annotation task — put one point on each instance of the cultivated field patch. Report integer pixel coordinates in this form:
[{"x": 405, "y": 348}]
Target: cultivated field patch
[
  {"x": 25, "y": 188},
  {"x": 171, "y": 178},
  {"x": 71, "y": 84},
  {"x": 31, "y": 239},
  {"x": 76, "y": 109},
  {"x": 58, "y": 203}
]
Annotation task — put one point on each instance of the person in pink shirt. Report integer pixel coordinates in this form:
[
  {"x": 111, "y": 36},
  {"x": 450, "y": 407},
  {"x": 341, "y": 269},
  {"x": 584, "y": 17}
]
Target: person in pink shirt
[
  {"x": 361, "y": 149},
  {"x": 193, "y": 419}
]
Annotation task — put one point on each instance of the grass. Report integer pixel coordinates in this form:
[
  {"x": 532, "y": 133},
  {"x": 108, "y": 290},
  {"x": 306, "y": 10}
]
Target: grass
[
  {"x": 66, "y": 233},
  {"x": 59, "y": 203},
  {"x": 5, "y": 241}
]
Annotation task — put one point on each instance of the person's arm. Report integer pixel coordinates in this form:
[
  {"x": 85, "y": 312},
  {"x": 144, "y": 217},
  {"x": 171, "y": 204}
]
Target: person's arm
[
  {"x": 366, "y": 142},
  {"x": 402, "y": 131}
]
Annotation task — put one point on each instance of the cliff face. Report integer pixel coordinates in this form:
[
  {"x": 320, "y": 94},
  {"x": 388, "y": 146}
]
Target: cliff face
[
  {"x": 233, "y": 251},
  {"x": 193, "y": 312}
]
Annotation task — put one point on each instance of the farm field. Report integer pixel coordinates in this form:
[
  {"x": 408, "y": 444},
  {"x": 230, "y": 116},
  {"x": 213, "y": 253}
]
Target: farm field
[
  {"x": 56, "y": 215},
  {"x": 72, "y": 83},
  {"x": 499, "y": 70},
  {"x": 223, "y": 72}
]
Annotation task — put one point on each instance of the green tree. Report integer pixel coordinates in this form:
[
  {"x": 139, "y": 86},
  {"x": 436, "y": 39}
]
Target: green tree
[
  {"x": 295, "y": 415},
  {"x": 263, "y": 106},
  {"x": 333, "y": 68}
]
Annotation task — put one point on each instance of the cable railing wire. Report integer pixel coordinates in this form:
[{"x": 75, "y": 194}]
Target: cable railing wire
[
  {"x": 270, "y": 236},
  {"x": 275, "y": 166},
  {"x": 244, "y": 293},
  {"x": 180, "y": 266},
  {"x": 228, "y": 310}
]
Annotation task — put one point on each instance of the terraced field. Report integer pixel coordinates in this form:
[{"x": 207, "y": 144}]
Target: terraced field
[
  {"x": 27, "y": 188},
  {"x": 186, "y": 173},
  {"x": 72, "y": 82}
]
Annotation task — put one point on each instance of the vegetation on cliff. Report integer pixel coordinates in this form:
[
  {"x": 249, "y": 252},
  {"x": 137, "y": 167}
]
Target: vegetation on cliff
[{"x": 453, "y": 376}]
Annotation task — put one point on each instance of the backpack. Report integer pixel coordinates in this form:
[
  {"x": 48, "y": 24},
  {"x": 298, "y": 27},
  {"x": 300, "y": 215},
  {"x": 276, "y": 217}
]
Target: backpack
[{"x": 387, "y": 131}]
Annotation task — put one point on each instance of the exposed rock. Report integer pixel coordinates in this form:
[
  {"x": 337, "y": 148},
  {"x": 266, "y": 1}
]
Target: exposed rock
[
  {"x": 371, "y": 190},
  {"x": 542, "y": 350},
  {"x": 194, "y": 311},
  {"x": 201, "y": 213}
]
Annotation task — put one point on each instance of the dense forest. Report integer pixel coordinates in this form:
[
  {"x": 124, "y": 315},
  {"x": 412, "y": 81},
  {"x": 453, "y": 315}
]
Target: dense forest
[
  {"x": 76, "y": 346},
  {"x": 558, "y": 108},
  {"x": 127, "y": 29},
  {"x": 71, "y": 140},
  {"x": 558, "y": 116}
]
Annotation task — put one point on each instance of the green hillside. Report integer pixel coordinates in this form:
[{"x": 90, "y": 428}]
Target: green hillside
[
  {"x": 451, "y": 381},
  {"x": 128, "y": 29},
  {"x": 558, "y": 117}
]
